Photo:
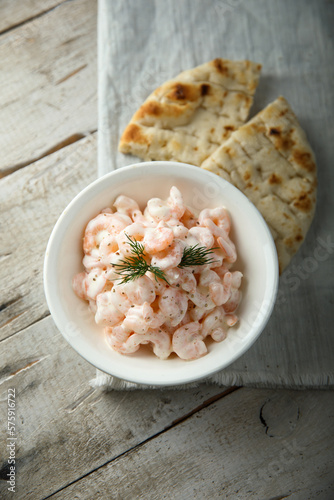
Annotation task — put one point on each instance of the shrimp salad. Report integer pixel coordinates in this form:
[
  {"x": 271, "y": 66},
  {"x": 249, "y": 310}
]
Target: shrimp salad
[{"x": 145, "y": 281}]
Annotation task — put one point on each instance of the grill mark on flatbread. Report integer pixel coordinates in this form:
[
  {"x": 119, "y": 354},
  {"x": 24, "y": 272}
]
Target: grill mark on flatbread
[
  {"x": 303, "y": 201},
  {"x": 204, "y": 104},
  {"x": 302, "y": 158},
  {"x": 270, "y": 160},
  {"x": 184, "y": 133},
  {"x": 247, "y": 187}
]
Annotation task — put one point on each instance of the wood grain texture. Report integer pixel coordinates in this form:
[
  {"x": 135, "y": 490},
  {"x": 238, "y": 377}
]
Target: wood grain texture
[
  {"x": 229, "y": 450},
  {"x": 15, "y": 12},
  {"x": 48, "y": 83},
  {"x": 31, "y": 201},
  {"x": 65, "y": 429}
]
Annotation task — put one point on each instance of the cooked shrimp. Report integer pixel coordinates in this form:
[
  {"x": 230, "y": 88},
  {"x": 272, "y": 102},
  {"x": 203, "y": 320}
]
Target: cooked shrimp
[
  {"x": 115, "y": 258},
  {"x": 186, "y": 319},
  {"x": 134, "y": 231},
  {"x": 218, "y": 216},
  {"x": 138, "y": 216},
  {"x": 101, "y": 226},
  {"x": 197, "y": 313},
  {"x": 208, "y": 276},
  {"x": 108, "y": 247},
  {"x": 91, "y": 261},
  {"x": 169, "y": 258},
  {"x": 213, "y": 325},
  {"x": 78, "y": 285},
  {"x": 203, "y": 235},
  {"x": 231, "y": 319},
  {"x": 221, "y": 292},
  {"x": 201, "y": 298},
  {"x": 175, "y": 201},
  {"x": 125, "y": 205},
  {"x": 173, "y": 277},
  {"x": 235, "y": 295},
  {"x": 188, "y": 341},
  {"x": 106, "y": 313},
  {"x": 158, "y": 239},
  {"x": 179, "y": 230},
  {"x": 158, "y": 210},
  {"x": 117, "y": 337},
  {"x": 233, "y": 302},
  {"x": 187, "y": 280},
  {"x": 224, "y": 268},
  {"x": 218, "y": 293},
  {"x": 236, "y": 279},
  {"x": 188, "y": 218},
  {"x": 160, "y": 340},
  {"x": 95, "y": 282},
  {"x": 159, "y": 284},
  {"x": 173, "y": 304},
  {"x": 142, "y": 317},
  {"x": 228, "y": 248},
  {"x": 137, "y": 292},
  {"x": 223, "y": 240},
  {"x": 92, "y": 306}
]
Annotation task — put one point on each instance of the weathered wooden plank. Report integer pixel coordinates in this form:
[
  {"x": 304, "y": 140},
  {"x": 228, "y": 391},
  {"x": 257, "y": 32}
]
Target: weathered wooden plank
[
  {"x": 48, "y": 83},
  {"x": 31, "y": 201},
  {"x": 64, "y": 428},
  {"x": 254, "y": 444},
  {"x": 14, "y": 12}
]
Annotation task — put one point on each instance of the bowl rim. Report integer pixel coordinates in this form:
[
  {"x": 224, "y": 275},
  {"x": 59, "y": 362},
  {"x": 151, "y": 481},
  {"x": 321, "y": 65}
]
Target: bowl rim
[{"x": 271, "y": 286}]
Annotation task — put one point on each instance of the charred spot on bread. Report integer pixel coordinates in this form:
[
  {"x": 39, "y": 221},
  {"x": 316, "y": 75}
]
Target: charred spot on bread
[
  {"x": 274, "y": 179},
  {"x": 149, "y": 108},
  {"x": 303, "y": 203},
  {"x": 205, "y": 89},
  {"x": 304, "y": 159},
  {"x": 274, "y": 131},
  {"x": 184, "y": 92},
  {"x": 229, "y": 128},
  {"x": 283, "y": 142},
  {"x": 179, "y": 91},
  {"x": 133, "y": 134},
  {"x": 221, "y": 67}
]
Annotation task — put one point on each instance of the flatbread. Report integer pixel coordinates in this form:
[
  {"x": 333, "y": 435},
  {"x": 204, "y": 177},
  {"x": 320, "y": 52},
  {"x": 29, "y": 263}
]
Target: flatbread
[
  {"x": 189, "y": 117},
  {"x": 270, "y": 160}
]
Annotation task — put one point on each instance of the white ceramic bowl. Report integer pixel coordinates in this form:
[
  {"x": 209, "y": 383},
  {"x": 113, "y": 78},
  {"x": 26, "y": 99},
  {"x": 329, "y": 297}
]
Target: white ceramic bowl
[{"x": 257, "y": 259}]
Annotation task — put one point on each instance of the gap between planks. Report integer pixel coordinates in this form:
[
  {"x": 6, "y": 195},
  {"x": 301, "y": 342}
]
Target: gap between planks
[
  {"x": 32, "y": 18},
  {"x": 63, "y": 144},
  {"x": 27, "y": 326},
  {"x": 173, "y": 424}
]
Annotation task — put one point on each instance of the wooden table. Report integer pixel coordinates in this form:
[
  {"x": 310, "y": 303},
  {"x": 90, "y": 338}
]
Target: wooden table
[{"x": 70, "y": 440}]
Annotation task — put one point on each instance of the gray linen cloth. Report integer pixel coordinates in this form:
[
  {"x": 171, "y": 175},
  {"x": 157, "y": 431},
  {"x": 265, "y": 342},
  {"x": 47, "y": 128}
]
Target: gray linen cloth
[{"x": 141, "y": 44}]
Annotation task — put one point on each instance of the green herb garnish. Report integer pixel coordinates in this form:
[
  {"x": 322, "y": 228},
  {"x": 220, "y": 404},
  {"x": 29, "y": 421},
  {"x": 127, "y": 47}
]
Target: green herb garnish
[
  {"x": 196, "y": 256},
  {"x": 135, "y": 265}
]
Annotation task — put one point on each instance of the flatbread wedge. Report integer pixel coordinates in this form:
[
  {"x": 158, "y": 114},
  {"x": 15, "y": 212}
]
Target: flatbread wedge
[
  {"x": 270, "y": 160},
  {"x": 190, "y": 116}
]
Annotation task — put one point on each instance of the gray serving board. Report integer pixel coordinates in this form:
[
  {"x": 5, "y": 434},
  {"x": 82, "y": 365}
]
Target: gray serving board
[{"x": 142, "y": 43}]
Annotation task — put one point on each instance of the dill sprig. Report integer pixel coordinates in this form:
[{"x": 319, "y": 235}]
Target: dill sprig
[
  {"x": 134, "y": 266},
  {"x": 196, "y": 256},
  {"x": 158, "y": 273}
]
